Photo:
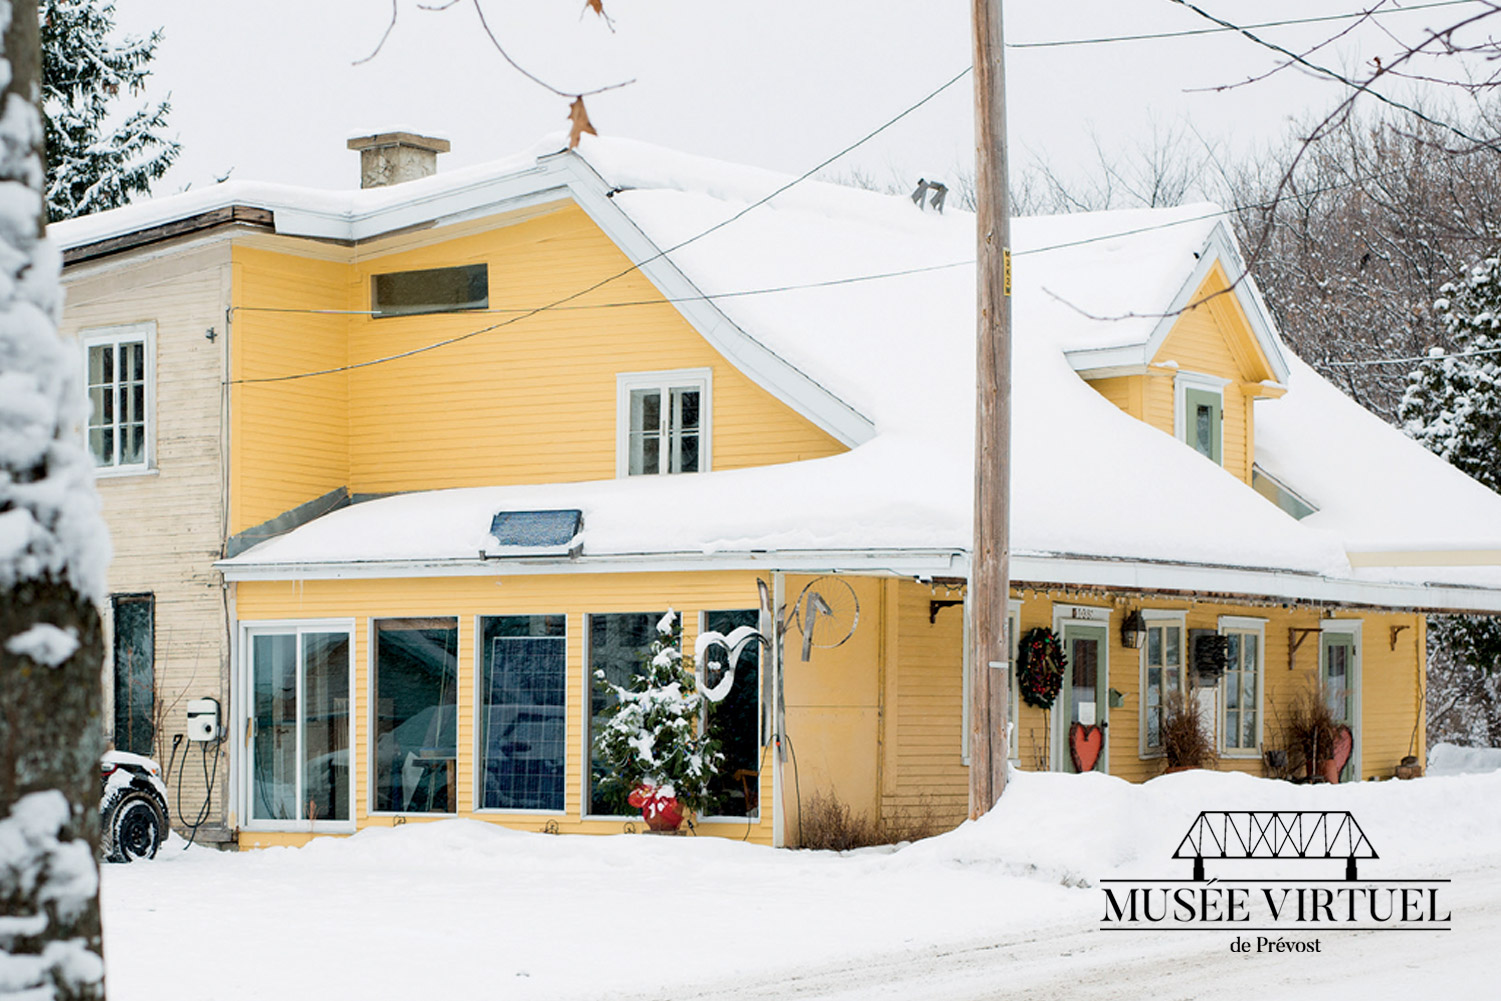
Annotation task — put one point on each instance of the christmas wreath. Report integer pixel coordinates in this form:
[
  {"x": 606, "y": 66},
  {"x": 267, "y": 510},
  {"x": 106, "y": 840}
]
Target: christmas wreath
[{"x": 1039, "y": 667}]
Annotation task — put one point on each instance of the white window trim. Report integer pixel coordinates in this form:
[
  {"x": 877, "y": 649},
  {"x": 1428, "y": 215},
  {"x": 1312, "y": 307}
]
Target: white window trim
[
  {"x": 244, "y": 688},
  {"x": 1352, "y": 628},
  {"x": 1182, "y": 383},
  {"x": 125, "y": 333},
  {"x": 1256, "y": 626},
  {"x": 1159, "y": 616},
  {"x": 477, "y": 793},
  {"x": 665, "y": 379}
]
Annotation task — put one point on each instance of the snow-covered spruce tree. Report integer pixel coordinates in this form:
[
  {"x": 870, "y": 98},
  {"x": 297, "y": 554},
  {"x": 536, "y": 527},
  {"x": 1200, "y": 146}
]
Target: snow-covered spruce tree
[
  {"x": 1453, "y": 406},
  {"x": 53, "y": 553},
  {"x": 654, "y": 738},
  {"x": 90, "y": 169}
]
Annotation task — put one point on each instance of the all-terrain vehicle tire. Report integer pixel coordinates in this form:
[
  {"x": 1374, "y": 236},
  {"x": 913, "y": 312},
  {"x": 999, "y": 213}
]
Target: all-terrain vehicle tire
[{"x": 132, "y": 825}]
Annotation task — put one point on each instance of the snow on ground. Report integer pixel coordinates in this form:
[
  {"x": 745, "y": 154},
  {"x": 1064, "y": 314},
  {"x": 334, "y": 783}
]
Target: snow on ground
[
  {"x": 1451, "y": 759},
  {"x": 1008, "y": 905}
]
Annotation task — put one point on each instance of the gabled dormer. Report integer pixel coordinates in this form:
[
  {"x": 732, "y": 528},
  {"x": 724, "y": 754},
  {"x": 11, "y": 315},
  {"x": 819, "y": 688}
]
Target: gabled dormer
[{"x": 1196, "y": 374}]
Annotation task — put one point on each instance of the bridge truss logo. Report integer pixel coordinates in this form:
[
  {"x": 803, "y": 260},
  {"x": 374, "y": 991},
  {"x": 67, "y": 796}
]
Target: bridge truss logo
[{"x": 1275, "y": 871}]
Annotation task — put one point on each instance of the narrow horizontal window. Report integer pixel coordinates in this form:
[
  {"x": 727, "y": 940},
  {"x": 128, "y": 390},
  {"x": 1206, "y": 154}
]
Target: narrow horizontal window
[{"x": 435, "y": 290}]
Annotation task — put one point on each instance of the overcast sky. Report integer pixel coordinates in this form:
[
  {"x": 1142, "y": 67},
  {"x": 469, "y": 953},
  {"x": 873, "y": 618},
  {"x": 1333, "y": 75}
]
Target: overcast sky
[{"x": 270, "y": 89}]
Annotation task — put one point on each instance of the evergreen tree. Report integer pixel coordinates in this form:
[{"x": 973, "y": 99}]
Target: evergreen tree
[
  {"x": 653, "y": 738},
  {"x": 92, "y": 166},
  {"x": 1453, "y": 406}
]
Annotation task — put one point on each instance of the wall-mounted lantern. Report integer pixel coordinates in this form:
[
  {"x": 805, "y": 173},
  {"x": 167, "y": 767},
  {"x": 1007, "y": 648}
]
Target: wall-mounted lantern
[{"x": 1133, "y": 630}]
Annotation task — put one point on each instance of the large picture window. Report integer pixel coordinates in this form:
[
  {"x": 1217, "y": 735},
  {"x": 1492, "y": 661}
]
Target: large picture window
[
  {"x": 522, "y": 728},
  {"x": 416, "y": 715},
  {"x": 663, "y": 421},
  {"x": 117, "y": 369},
  {"x": 1162, "y": 675},
  {"x": 619, "y": 644},
  {"x": 299, "y": 725},
  {"x": 736, "y": 722}
]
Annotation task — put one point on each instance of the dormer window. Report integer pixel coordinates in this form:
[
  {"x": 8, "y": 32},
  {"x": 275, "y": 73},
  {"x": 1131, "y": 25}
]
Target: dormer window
[
  {"x": 662, "y": 422},
  {"x": 1199, "y": 414}
]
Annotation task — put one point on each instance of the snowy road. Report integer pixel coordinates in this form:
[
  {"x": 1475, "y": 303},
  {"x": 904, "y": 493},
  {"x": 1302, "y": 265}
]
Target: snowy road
[
  {"x": 1071, "y": 964},
  {"x": 1006, "y": 907}
]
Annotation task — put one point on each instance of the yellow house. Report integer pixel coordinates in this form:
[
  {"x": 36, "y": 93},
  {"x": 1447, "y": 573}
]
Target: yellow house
[{"x": 393, "y": 473}]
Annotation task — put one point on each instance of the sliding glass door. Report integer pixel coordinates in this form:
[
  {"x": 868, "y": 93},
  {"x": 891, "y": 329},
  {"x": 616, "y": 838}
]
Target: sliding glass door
[{"x": 298, "y": 730}]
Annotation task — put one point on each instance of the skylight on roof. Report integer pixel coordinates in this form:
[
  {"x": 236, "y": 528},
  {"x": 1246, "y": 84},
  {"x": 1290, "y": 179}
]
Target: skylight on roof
[{"x": 537, "y": 529}]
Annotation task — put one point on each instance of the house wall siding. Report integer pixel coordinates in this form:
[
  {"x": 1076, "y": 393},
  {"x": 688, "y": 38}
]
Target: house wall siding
[
  {"x": 832, "y": 700},
  {"x": 167, "y": 525},
  {"x": 532, "y": 400},
  {"x": 1391, "y": 700},
  {"x": 289, "y": 439}
]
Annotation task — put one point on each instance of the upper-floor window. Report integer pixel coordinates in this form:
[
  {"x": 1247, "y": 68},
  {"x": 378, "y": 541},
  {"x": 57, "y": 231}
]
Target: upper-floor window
[
  {"x": 435, "y": 290},
  {"x": 118, "y": 368},
  {"x": 1199, "y": 414},
  {"x": 662, "y": 422}
]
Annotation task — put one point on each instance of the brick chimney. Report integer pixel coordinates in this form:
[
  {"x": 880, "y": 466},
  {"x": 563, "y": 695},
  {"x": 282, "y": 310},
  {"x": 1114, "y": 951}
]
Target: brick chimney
[{"x": 393, "y": 157}]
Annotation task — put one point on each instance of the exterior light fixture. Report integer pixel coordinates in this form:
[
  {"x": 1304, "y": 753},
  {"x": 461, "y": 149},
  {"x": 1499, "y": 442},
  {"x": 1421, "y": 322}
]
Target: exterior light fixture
[{"x": 1133, "y": 630}]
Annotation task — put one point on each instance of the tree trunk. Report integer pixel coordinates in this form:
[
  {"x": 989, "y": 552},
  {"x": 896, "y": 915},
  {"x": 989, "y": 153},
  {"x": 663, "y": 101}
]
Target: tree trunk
[{"x": 52, "y": 555}]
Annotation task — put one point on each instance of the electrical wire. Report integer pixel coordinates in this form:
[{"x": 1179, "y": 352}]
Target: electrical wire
[
  {"x": 1418, "y": 359},
  {"x": 208, "y": 787},
  {"x": 1190, "y": 32},
  {"x": 640, "y": 264},
  {"x": 798, "y": 786}
]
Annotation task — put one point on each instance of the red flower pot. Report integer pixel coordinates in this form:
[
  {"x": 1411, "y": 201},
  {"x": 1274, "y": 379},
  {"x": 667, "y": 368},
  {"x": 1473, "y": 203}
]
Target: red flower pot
[{"x": 661, "y": 813}]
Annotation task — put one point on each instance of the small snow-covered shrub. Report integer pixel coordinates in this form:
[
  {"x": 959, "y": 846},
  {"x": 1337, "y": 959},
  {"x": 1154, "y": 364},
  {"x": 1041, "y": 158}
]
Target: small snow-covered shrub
[{"x": 653, "y": 737}]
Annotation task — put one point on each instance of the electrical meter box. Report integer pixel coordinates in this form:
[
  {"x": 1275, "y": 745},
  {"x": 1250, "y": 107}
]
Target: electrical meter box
[{"x": 203, "y": 719}]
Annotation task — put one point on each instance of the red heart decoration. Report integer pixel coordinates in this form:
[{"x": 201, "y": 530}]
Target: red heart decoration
[
  {"x": 1084, "y": 745},
  {"x": 1344, "y": 744}
]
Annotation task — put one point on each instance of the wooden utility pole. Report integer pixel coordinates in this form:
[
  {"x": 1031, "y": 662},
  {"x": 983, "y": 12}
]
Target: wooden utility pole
[{"x": 990, "y": 561}]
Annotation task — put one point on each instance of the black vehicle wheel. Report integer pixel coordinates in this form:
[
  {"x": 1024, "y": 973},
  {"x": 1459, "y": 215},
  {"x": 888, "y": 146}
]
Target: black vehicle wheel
[{"x": 133, "y": 827}]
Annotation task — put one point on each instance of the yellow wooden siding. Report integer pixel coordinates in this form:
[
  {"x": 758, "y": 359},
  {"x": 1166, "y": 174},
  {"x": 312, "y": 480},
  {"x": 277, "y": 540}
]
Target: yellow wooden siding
[
  {"x": 535, "y": 400},
  {"x": 1125, "y": 391},
  {"x": 531, "y": 401},
  {"x": 1198, "y": 343},
  {"x": 929, "y": 779},
  {"x": 1391, "y": 689},
  {"x": 289, "y": 441},
  {"x": 834, "y": 705},
  {"x": 167, "y": 526},
  {"x": 575, "y": 596}
]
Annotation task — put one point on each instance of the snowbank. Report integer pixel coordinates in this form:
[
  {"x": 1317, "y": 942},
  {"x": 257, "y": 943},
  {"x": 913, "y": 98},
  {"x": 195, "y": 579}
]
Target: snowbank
[{"x": 1451, "y": 759}]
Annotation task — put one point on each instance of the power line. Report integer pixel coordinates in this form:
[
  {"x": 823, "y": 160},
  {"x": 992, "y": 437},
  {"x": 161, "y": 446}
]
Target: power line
[
  {"x": 1358, "y": 88},
  {"x": 1191, "y": 32},
  {"x": 654, "y": 301},
  {"x": 634, "y": 267},
  {"x": 1410, "y": 361}
]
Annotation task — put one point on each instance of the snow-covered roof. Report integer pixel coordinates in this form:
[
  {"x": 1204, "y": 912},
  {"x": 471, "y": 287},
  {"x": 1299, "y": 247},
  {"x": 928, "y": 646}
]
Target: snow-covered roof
[{"x": 1098, "y": 497}]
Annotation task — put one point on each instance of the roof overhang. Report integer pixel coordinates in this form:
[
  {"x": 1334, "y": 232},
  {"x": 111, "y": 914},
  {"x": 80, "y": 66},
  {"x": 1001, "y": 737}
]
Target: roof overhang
[
  {"x": 1219, "y": 248},
  {"x": 1203, "y": 581}
]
